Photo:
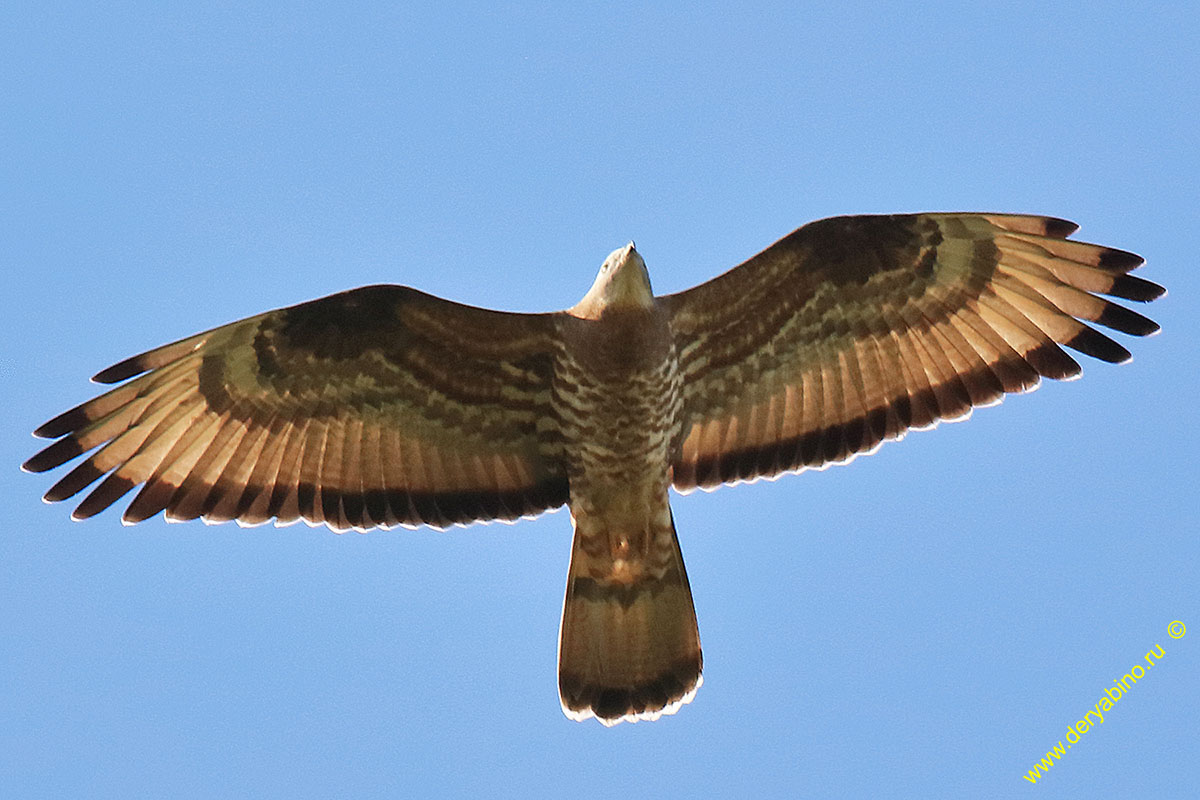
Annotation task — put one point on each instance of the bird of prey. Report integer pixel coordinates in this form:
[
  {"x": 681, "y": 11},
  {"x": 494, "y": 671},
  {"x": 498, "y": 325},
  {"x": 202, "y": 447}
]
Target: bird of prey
[{"x": 384, "y": 406}]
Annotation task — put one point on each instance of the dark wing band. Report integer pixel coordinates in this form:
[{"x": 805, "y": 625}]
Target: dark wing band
[
  {"x": 380, "y": 406},
  {"x": 852, "y": 330}
]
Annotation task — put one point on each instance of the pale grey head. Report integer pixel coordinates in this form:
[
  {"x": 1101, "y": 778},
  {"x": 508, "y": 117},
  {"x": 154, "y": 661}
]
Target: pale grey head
[{"x": 622, "y": 283}]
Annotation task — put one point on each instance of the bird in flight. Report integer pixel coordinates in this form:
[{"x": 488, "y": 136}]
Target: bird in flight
[{"x": 385, "y": 406}]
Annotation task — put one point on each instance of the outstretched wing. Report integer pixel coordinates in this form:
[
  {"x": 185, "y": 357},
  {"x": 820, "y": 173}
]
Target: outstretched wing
[
  {"x": 852, "y": 330},
  {"x": 380, "y": 406}
]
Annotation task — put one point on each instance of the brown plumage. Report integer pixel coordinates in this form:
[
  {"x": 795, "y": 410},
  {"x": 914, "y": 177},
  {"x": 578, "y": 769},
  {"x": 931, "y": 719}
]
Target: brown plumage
[{"x": 385, "y": 406}]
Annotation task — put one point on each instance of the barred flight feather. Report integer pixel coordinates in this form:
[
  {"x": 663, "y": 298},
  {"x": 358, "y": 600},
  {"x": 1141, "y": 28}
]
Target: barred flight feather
[
  {"x": 208, "y": 423},
  {"x": 961, "y": 309}
]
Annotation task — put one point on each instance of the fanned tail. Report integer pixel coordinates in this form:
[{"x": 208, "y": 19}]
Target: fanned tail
[{"x": 629, "y": 647}]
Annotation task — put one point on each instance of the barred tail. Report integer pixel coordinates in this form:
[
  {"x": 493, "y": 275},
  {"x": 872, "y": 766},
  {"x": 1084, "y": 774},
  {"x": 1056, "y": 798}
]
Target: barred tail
[{"x": 629, "y": 647}]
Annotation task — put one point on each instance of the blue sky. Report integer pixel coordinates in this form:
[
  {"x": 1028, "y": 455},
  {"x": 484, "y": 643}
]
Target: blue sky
[{"x": 930, "y": 620}]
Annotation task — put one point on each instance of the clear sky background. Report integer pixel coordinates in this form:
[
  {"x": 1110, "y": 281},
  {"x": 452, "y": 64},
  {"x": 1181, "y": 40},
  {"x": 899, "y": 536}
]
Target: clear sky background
[{"x": 927, "y": 622}]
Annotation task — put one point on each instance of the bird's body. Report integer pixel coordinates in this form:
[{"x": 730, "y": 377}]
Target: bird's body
[
  {"x": 629, "y": 644},
  {"x": 385, "y": 406}
]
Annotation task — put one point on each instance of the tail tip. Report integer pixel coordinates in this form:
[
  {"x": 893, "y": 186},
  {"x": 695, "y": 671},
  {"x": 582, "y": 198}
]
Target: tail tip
[{"x": 651, "y": 700}]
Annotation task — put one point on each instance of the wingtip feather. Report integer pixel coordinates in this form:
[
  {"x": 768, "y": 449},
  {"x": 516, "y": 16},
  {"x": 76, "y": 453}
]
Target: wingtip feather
[
  {"x": 122, "y": 370},
  {"x": 1060, "y": 228}
]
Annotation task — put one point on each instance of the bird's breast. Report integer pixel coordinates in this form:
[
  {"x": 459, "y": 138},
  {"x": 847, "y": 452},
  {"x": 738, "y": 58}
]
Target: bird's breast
[{"x": 618, "y": 395}]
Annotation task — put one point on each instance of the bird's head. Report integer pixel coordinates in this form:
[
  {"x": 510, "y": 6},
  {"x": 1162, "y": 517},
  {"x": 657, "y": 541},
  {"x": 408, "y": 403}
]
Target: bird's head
[{"x": 622, "y": 284}]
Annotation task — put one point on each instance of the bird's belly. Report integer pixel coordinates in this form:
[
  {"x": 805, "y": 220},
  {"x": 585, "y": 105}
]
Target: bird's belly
[
  {"x": 621, "y": 431},
  {"x": 620, "y": 439}
]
